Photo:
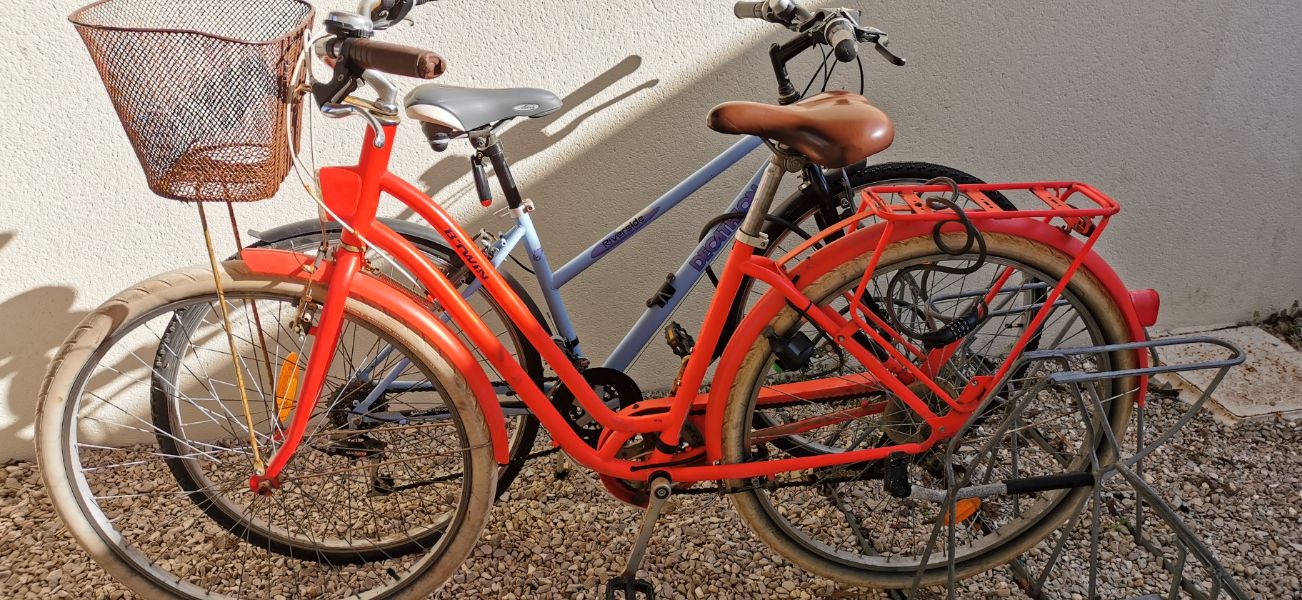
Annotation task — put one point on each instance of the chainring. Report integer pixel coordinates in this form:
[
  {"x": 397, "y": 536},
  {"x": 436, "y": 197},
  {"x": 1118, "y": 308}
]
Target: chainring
[{"x": 616, "y": 389}]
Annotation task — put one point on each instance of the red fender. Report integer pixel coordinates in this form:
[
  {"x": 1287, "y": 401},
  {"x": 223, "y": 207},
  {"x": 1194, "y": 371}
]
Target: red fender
[
  {"x": 380, "y": 293},
  {"x": 852, "y": 245}
]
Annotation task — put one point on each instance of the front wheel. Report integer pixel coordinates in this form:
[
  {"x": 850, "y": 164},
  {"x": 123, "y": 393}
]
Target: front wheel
[
  {"x": 522, "y": 426},
  {"x": 155, "y": 486},
  {"x": 838, "y": 522}
]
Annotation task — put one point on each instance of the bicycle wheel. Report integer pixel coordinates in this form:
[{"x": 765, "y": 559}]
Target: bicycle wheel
[
  {"x": 838, "y": 522},
  {"x": 522, "y": 426},
  {"x": 798, "y": 217},
  {"x": 161, "y": 499}
]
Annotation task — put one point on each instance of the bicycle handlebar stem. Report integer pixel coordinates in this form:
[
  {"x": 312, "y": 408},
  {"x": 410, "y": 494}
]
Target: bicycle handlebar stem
[{"x": 780, "y": 55}]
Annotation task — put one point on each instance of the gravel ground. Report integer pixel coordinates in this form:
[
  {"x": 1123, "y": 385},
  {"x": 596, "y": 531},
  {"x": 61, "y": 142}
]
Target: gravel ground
[
  {"x": 1285, "y": 324},
  {"x": 1238, "y": 486}
]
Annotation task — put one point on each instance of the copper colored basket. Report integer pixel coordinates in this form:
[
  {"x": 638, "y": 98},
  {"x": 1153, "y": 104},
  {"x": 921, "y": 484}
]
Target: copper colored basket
[{"x": 203, "y": 89}]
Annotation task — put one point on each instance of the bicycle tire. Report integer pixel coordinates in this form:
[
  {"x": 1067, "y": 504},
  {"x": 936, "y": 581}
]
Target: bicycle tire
[
  {"x": 119, "y": 545},
  {"x": 754, "y": 507}
]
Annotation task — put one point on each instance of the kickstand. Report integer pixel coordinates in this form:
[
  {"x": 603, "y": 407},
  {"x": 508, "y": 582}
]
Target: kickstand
[{"x": 627, "y": 582}]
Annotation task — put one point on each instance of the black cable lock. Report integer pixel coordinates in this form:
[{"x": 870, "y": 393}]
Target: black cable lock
[{"x": 964, "y": 325}]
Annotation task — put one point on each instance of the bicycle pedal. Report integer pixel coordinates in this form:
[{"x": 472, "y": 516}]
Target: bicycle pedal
[
  {"x": 896, "y": 476},
  {"x": 680, "y": 342},
  {"x": 629, "y": 588}
]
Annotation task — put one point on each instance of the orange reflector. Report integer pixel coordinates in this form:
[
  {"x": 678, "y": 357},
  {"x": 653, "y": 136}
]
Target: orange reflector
[
  {"x": 287, "y": 386},
  {"x": 964, "y": 509}
]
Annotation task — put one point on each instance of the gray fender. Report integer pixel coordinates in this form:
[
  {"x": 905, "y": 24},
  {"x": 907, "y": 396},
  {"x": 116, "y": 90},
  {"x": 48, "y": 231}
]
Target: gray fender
[
  {"x": 309, "y": 226},
  {"x": 407, "y": 229}
]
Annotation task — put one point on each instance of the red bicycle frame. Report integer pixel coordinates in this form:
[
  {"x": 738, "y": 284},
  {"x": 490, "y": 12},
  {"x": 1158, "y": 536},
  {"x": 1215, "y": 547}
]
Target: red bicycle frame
[{"x": 353, "y": 194}]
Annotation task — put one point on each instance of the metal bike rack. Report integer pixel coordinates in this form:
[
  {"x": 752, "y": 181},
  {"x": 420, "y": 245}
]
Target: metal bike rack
[{"x": 1120, "y": 495}]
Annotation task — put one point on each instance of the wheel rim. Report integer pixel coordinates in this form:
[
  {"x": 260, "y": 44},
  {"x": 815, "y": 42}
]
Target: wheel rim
[
  {"x": 174, "y": 563},
  {"x": 848, "y": 548}
]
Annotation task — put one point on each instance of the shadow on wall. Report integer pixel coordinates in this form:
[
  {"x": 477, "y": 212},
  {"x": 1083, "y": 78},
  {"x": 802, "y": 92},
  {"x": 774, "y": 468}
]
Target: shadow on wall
[
  {"x": 609, "y": 180},
  {"x": 528, "y": 137},
  {"x": 1002, "y": 126},
  {"x": 23, "y": 360}
]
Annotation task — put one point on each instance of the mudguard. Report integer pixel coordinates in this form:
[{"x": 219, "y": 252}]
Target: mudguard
[
  {"x": 854, "y": 244},
  {"x": 380, "y": 293},
  {"x": 426, "y": 239},
  {"x": 406, "y": 229}
]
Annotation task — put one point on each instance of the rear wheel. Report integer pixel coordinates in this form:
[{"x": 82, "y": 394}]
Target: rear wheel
[
  {"x": 156, "y": 487},
  {"x": 837, "y": 522}
]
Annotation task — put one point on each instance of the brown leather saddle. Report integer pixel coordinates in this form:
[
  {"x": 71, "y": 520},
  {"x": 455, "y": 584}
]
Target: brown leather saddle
[{"x": 832, "y": 129}]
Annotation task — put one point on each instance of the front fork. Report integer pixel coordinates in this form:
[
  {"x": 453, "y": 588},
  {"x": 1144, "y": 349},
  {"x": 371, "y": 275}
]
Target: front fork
[{"x": 325, "y": 332}]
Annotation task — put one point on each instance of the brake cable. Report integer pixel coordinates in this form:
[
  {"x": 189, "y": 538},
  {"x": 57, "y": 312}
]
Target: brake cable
[
  {"x": 730, "y": 216},
  {"x": 822, "y": 68}
]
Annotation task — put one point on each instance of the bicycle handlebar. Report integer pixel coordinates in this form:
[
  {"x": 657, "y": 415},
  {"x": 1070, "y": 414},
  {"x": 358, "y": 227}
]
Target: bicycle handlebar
[
  {"x": 357, "y": 58},
  {"x": 386, "y": 57},
  {"x": 395, "y": 59},
  {"x": 836, "y": 28},
  {"x": 749, "y": 10}
]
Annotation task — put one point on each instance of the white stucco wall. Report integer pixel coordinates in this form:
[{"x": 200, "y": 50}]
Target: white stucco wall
[{"x": 1189, "y": 113}]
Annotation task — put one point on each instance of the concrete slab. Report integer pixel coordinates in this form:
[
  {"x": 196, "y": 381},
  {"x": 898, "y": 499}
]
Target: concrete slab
[{"x": 1268, "y": 385}]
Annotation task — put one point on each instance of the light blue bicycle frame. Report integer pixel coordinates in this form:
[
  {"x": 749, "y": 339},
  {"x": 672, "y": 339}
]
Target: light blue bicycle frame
[
  {"x": 551, "y": 282},
  {"x": 684, "y": 279}
]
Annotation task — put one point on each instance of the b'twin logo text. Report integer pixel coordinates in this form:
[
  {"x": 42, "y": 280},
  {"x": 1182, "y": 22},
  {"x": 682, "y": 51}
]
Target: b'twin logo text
[{"x": 464, "y": 252}]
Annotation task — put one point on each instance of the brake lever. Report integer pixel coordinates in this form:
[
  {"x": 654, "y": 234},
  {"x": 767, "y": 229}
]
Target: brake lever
[
  {"x": 877, "y": 37},
  {"x": 890, "y": 57}
]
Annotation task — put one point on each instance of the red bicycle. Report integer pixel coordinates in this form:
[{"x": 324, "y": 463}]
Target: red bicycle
[{"x": 881, "y": 360}]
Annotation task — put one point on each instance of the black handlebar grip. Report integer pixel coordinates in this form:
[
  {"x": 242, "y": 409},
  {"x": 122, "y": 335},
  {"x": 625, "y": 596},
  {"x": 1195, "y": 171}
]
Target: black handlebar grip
[
  {"x": 395, "y": 59},
  {"x": 840, "y": 36},
  {"x": 749, "y": 10}
]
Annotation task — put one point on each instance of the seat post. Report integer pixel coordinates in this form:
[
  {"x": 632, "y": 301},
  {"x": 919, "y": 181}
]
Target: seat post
[
  {"x": 489, "y": 146},
  {"x": 751, "y": 231}
]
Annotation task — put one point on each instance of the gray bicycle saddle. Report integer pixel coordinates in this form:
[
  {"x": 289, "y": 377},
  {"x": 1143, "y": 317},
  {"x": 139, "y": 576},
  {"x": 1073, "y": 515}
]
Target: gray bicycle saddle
[{"x": 467, "y": 109}]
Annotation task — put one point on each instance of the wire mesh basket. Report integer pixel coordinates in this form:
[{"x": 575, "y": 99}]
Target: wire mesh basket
[{"x": 203, "y": 89}]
